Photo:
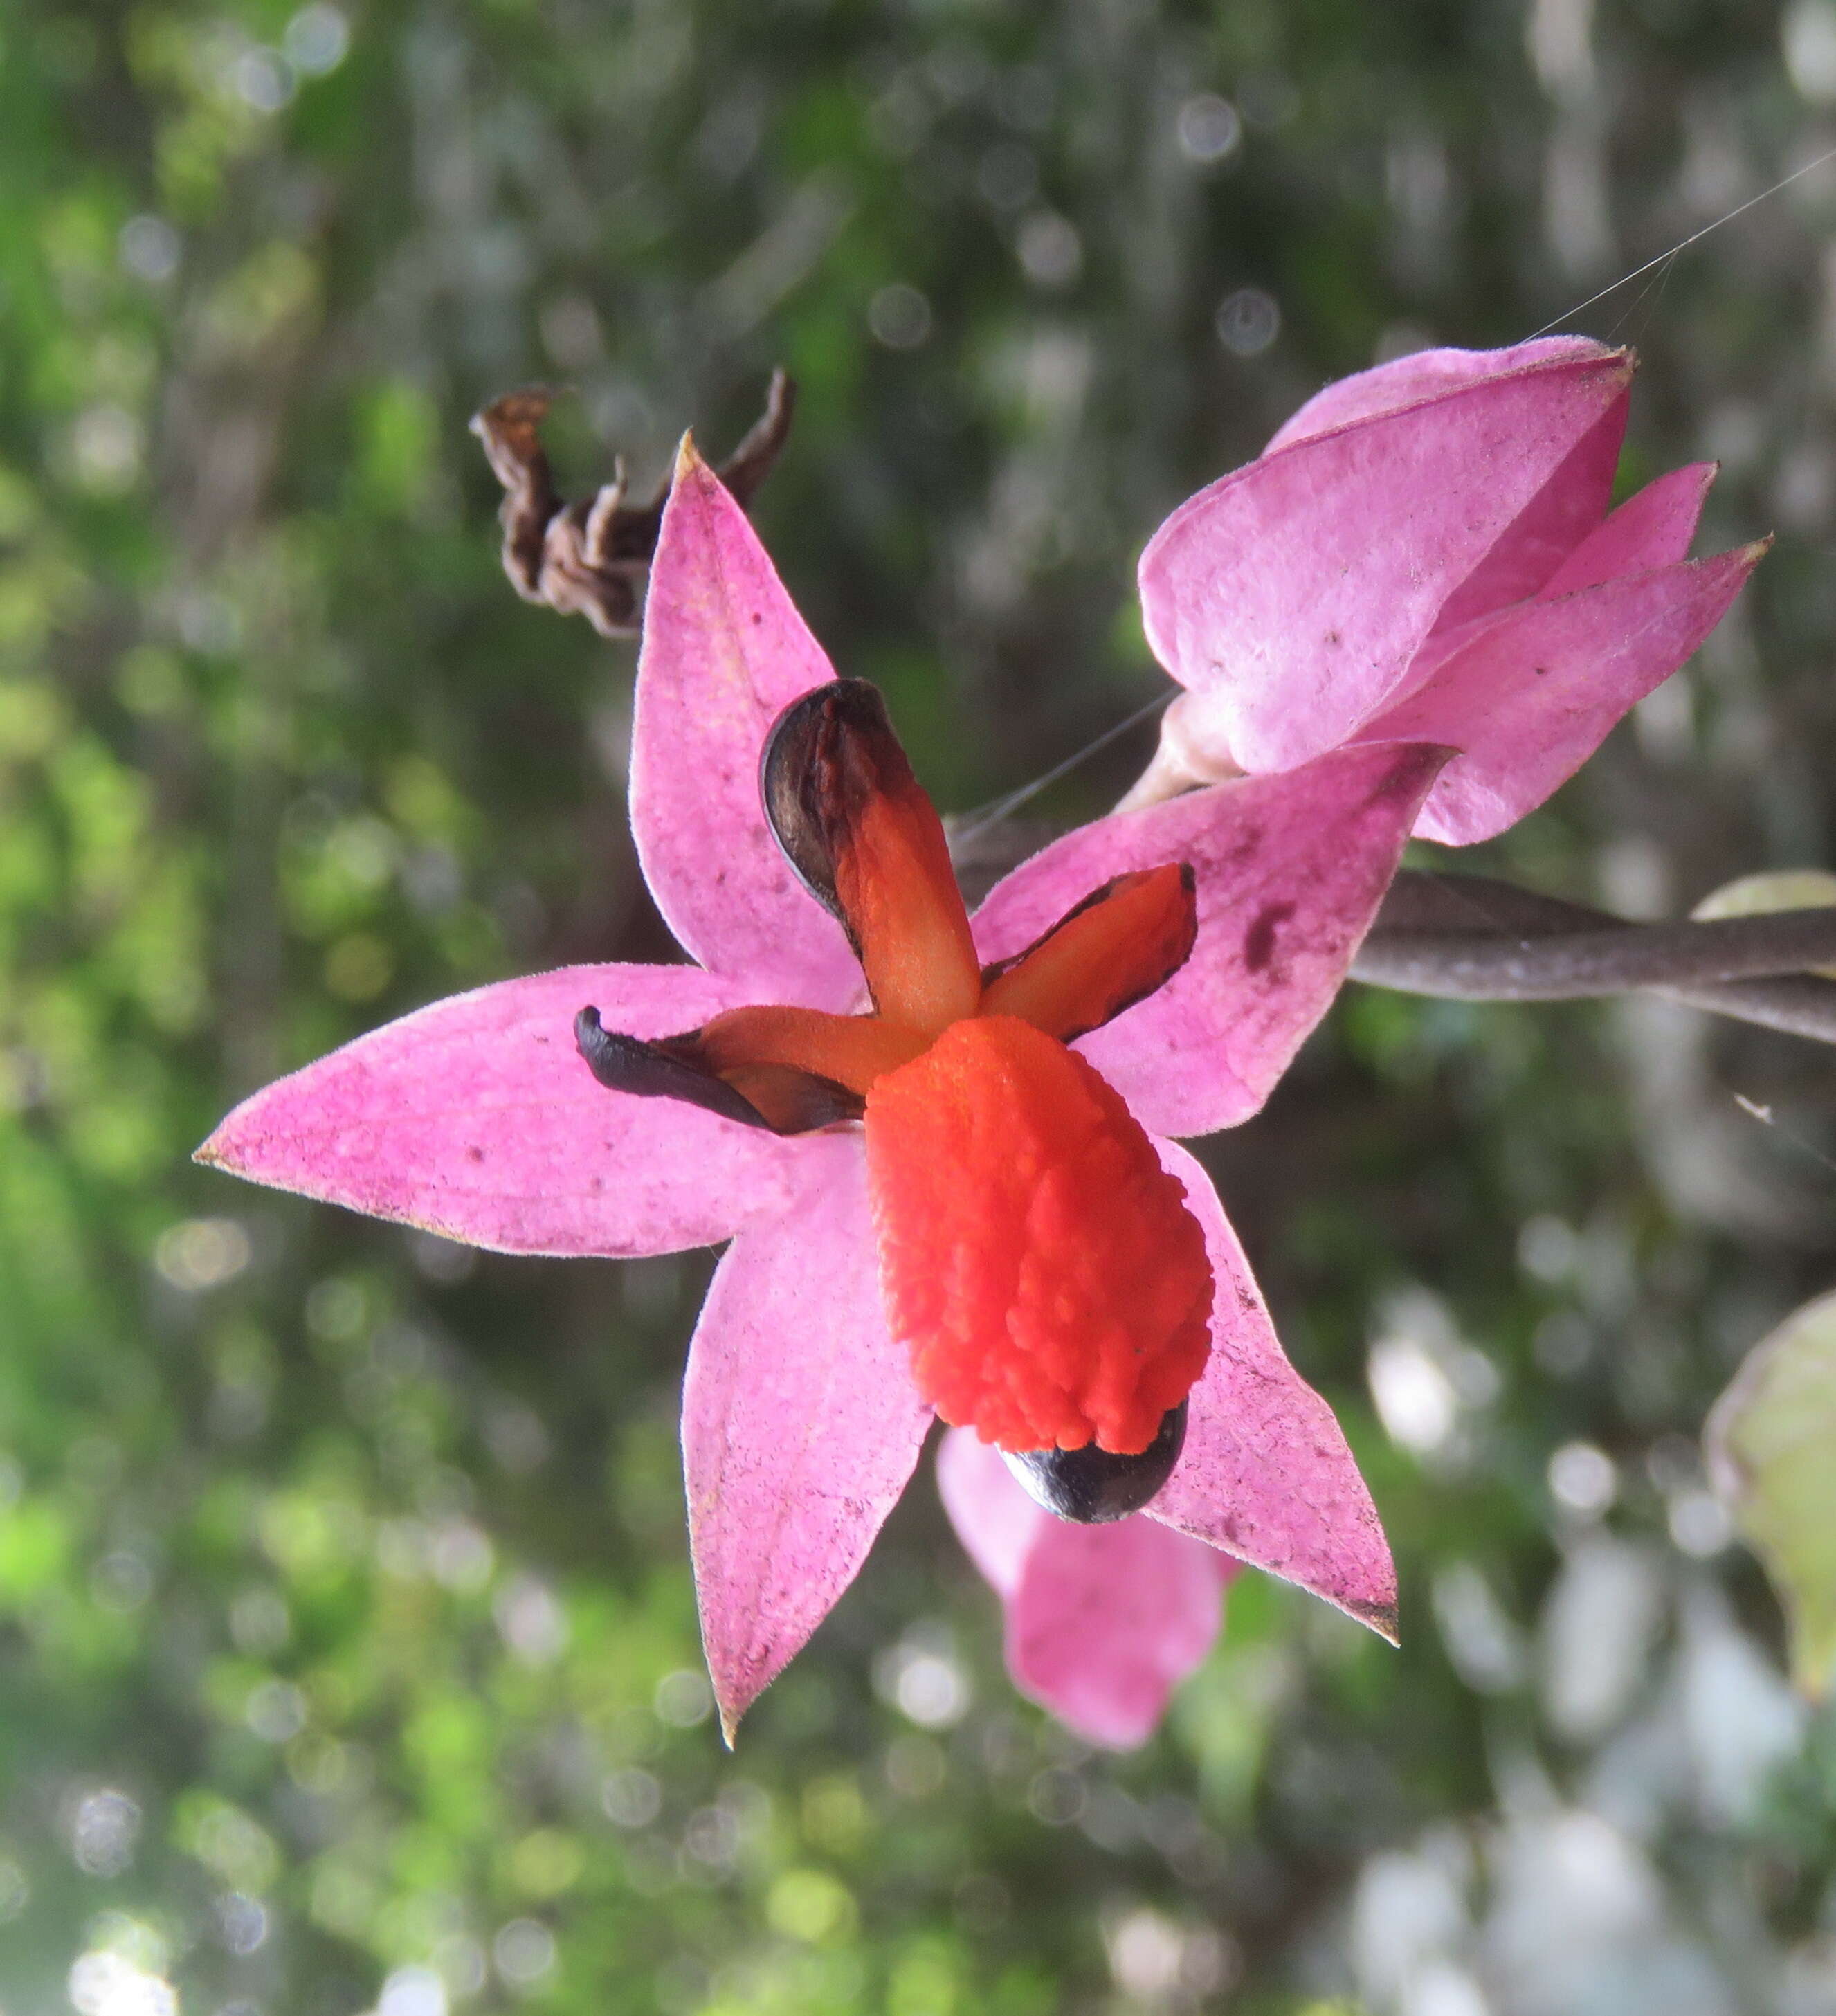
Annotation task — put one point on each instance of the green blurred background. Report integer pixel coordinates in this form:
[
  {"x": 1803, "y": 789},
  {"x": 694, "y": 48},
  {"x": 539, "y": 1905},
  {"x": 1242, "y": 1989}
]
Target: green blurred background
[{"x": 347, "y": 1655}]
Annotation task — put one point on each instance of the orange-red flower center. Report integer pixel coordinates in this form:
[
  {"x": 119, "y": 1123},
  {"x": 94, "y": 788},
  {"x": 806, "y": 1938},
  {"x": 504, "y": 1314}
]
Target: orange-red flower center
[{"x": 1038, "y": 1262}]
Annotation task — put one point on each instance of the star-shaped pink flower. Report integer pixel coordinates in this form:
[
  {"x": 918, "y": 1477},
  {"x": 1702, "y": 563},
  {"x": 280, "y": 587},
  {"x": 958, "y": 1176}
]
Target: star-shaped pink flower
[
  {"x": 802, "y": 1416},
  {"x": 1424, "y": 552}
]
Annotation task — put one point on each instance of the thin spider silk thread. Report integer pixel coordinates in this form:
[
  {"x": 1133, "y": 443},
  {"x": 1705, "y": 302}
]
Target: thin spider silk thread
[
  {"x": 991, "y": 816},
  {"x": 1683, "y": 245},
  {"x": 1765, "y": 1115}
]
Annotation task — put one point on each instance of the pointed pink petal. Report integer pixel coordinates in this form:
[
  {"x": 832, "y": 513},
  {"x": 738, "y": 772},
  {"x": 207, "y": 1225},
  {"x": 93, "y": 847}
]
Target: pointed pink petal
[
  {"x": 1564, "y": 511},
  {"x": 476, "y": 1119},
  {"x": 1265, "y": 1474},
  {"x": 1652, "y": 529},
  {"x": 1560, "y": 517},
  {"x": 1424, "y": 374},
  {"x": 1290, "y": 870},
  {"x": 1532, "y": 697},
  {"x": 801, "y": 1425},
  {"x": 1102, "y": 1622},
  {"x": 724, "y": 653},
  {"x": 1296, "y": 591}
]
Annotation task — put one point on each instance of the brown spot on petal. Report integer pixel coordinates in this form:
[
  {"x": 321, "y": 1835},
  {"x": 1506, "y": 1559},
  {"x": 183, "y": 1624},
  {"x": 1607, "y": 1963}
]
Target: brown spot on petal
[{"x": 1258, "y": 942}]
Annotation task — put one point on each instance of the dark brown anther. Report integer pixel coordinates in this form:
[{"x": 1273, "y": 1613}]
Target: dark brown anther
[
  {"x": 815, "y": 773},
  {"x": 779, "y": 1098},
  {"x": 625, "y": 1063},
  {"x": 854, "y": 823},
  {"x": 1091, "y": 1486},
  {"x": 592, "y": 558}
]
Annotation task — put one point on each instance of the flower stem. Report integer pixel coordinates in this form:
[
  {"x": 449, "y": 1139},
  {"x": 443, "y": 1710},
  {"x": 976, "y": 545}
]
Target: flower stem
[{"x": 1467, "y": 938}]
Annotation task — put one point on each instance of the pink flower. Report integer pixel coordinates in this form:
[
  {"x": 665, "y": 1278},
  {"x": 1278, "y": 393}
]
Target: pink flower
[
  {"x": 1424, "y": 553},
  {"x": 1102, "y": 1622},
  {"x": 802, "y": 1415}
]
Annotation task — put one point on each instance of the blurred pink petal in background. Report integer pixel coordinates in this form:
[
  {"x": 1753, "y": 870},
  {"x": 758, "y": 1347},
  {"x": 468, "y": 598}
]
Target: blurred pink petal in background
[
  {"x": 1424, "y": 552},
  {"x": 1103, "y": 1623}
]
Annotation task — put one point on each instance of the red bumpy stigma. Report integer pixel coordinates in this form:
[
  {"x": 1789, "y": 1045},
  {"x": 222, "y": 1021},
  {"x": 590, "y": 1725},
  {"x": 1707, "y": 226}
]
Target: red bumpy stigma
[{"x": 1038, "y": 1261}]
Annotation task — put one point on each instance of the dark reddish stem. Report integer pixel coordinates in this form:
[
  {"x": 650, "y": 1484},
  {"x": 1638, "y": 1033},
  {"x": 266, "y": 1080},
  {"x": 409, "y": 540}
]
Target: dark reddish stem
[{"x": 1467, "y": 938}]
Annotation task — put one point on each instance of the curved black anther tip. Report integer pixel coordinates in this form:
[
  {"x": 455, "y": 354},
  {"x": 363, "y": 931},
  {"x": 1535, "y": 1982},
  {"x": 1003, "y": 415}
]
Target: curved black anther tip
[
  {"x": 647, "y": 1070},
  {"x": 797, "y": 781},
  {"x": 1092, "y": 1487},
  {"x": 603, "y": 1052},
  {"x": 587, "y": 1028}
]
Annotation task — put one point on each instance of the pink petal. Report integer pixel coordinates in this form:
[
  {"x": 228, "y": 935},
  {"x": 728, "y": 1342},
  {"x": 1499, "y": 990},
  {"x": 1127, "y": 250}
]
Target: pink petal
[
  {"x": 801, "y": 1425},
  {"x": 1569, "y": 506},
  {"x": 1295, "y": 592},
  {"x": 1108, "y": 1620},
  {"x": 476, "y": 1119},
  {"x": 1102, "y": 1622},
  {"x": 1290, "y": 870},
  {"x": 724, "y": 653},
  {"x": 1560, "y": 517},
  {"x": 1424, "y": 374},
  {"x": 1529, "y": 700},
  {"x": 1265, "y": 1474},
  {"x": 1652, "y": 529},
  {"x": 995, "y": 1519}
]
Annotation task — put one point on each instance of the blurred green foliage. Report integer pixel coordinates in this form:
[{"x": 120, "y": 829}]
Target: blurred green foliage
[
  {"x": 347, "y": 1657},
  {"x": 1769, "y": 1439}
]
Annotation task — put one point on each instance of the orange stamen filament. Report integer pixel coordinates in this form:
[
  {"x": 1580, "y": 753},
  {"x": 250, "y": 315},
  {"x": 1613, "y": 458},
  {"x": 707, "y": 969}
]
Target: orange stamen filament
[
  {"x": 897, "y": 887},
  {"x": 1101, "y": 957},
  {"x": 853, "y": 1050}
]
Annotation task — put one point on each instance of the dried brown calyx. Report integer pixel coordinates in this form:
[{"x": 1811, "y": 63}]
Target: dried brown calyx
[{"x": 592, "y": 558}]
